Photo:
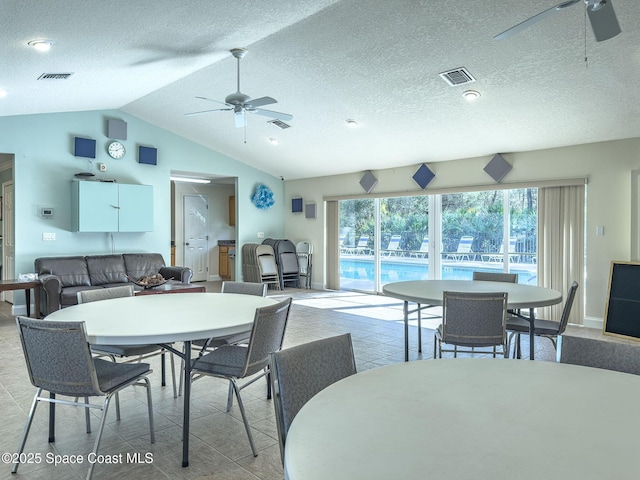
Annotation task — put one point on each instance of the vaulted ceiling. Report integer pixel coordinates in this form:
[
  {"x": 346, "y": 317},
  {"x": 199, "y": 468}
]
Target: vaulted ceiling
[{"x": 325, "y": 61}]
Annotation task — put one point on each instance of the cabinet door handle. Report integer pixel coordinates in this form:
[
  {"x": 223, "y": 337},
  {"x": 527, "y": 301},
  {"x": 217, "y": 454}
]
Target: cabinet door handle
[
  {"x": 187, "y": 243},
  {"x": 116, "y": 207}
]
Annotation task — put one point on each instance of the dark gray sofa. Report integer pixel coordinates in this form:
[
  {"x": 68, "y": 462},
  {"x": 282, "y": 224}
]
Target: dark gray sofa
[{"x": 63, "y": 277}]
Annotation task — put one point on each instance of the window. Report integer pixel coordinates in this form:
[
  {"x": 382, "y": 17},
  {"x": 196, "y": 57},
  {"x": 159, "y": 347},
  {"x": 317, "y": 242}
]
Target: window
[{"x": 493, "y": 231}]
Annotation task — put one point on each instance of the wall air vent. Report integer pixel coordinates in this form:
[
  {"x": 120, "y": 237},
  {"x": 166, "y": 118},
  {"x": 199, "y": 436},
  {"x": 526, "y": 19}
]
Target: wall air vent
[
  {"x": 279, "y": 124},
  {"x": 54, "y": 76},
  {"x": 458, "y": 76}
]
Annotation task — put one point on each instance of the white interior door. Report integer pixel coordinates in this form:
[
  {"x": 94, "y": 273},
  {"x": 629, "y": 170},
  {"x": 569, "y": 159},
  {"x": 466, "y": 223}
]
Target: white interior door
[
  {"x": 196, "y": 235},
  {"x": 8, "y": 245}
]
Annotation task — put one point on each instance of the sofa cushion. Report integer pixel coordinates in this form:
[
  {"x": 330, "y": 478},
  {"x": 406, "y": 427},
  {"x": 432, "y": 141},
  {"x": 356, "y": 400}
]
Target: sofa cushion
[
  {"x": 141, "y": 264},
  {"x": 105, "y": 269},
  {"x": 71, "y": 270}
]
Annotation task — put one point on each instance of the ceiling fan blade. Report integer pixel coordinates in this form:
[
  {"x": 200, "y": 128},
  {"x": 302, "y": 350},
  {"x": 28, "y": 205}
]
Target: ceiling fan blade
[
  {"x": 206, "y": 111},
  {"x": 535, "y": 19},
  {"x": 240, "y": 118},
  {"x": 214, "y": 101},
  {"x": 603, "y": 21},
  {"x": 259, "y": 102},
  {"x": 271, "y": 113}
]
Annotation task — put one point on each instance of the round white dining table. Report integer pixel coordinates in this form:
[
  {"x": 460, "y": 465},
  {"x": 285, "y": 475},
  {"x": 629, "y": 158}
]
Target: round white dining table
[
  {"x": 470, "y": 418},
  {"x": 163, "y": 320},
  {"x": 427, "y": 293}
]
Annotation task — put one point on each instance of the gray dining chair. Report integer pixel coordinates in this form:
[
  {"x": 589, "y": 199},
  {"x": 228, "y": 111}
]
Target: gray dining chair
[
  {"x": 298, "y": 373},
  {"x": 593, "y": 352},
  {"x": 472, "y": 320},
  {"x": 59, "y": 361},
  {"x": 235, "y": 362},
  {"x": 550, "y": 329},
  {"x": 134, "y": 353},
  {"x": 242, "y": 288},
  {"x": 495, "y": 277}
]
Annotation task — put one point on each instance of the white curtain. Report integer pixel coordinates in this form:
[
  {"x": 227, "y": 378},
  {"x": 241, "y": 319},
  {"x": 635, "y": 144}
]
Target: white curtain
[
  {"x": 332, "y": 214},
  {"x": 561, "y": 246}
]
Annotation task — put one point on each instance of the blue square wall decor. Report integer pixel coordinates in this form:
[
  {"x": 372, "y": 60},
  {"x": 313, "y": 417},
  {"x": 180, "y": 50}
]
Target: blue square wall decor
[
  {"x": 296, "y": 205},
  {"x": 423, "y": 176}
]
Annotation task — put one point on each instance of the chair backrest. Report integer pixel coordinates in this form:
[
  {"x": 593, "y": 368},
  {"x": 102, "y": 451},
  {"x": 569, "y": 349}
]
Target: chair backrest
[
  {"x": 86, "y": 296},
  {"x": 465, "y": 244},
  {"x": 496, "y": 277},
  {"x": 512, "y": 244},
  {"x": 305, "y": 246},
  {"x": 474, "y": 319},
  {"x": 245, "y": 288},
  {"x": 267, "y": 335},
  {"x": 341, "y": 238},
  {"x": 364, "y": 241},
  {"x": 394, "y": 242},
  {"x": 58, "y": 356},
  {"x": 593, "y": 352},
  {"x": 298, "y": 373},
  {"x": 566, "y": 311}
]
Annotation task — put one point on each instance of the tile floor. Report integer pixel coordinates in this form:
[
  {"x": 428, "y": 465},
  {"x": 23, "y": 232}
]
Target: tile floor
[{"x": 219, "y": 446}]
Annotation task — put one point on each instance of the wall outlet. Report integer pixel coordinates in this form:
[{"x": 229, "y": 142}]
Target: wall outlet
[
  {"x": 260, "y": 234},
  {"x": 48, "y": 236},
  {"x": 102, "y": 167}
]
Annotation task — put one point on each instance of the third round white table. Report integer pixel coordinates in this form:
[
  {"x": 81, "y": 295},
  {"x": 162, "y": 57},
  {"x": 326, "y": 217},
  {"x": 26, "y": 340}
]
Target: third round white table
[{"x": 470, "y": 419}]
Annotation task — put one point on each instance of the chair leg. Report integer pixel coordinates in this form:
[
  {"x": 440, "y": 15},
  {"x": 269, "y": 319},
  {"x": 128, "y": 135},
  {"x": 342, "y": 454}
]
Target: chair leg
[
  {"x": 27, "y": 427},
  {"x": 105, "y": 408},
  {"x": 117, "y": 406},
  {"x": 87, "y": 415},
  {"x": 173, "y": 376},
  {"x": 268, "y": 383},
  {"x": 230, "y": 395},
  {"x": 152, "y": 433},
  {"x": 234, "y": 385},
  {"x": 52, "y": 419}
]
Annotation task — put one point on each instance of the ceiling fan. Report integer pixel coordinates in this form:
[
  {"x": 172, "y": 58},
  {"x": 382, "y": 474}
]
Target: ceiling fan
[
  {"x": 240, "y": 103},
  {"x": 601, "y": 15}
]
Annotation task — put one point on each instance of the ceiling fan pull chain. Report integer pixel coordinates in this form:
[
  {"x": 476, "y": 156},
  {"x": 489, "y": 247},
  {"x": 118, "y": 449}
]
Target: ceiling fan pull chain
[{"x": 586, "y": 58}]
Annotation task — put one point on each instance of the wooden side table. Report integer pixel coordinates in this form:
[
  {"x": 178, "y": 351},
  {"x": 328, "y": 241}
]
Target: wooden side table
[{"x": 15, "y": 284}]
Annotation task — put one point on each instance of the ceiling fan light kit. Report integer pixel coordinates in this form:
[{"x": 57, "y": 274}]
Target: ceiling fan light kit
[
  {"x": 241, "y": 103},
  {"x": 602, "y": 17}
]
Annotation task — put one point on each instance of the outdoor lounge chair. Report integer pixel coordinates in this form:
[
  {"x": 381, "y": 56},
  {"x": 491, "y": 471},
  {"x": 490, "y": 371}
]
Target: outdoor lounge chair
[
  {"x": 464, "y": 249},
  {"x": 392, "y": 247},
  {"x": 363, "y": 245}
]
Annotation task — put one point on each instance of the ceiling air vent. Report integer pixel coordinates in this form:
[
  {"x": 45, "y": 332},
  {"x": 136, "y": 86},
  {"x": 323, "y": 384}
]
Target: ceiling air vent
[
  {"x": 54, "y": 76},
  {"x": 279, "y": 123},
  {"x": 458, "y": 76}
]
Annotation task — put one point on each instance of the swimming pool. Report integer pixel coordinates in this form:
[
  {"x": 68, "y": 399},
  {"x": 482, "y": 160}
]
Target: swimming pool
[{"x": 358, "y": 274}]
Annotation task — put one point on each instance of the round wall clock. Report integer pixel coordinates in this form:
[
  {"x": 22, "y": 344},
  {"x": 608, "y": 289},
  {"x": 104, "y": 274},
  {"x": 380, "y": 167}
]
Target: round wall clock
[{"x": 116, "y": 150}]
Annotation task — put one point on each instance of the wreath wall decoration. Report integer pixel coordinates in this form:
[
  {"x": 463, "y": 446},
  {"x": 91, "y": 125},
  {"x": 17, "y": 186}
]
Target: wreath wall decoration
[{"x": 262, "y": 197}]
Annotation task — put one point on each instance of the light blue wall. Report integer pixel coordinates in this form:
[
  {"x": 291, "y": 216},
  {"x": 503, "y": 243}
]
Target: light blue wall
[{"x": 45, "y": 166}]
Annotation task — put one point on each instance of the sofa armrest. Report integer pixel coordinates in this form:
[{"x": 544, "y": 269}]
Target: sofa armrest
[
  {"x": 50, "y": 290},
  {"x": 182, "y": 274}
]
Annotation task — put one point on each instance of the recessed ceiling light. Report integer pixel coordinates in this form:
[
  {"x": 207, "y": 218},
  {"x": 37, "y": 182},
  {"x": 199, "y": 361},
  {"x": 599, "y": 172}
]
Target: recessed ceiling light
[
  {"x": 274, "y": 141},
  {"x": 352, "y": 123},
  {"x": 470, "y": 95},
  {"x": 41, "y": 45}
]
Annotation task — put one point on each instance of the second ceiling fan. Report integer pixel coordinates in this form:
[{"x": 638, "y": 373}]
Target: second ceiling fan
[
  {"x": 602, "y": 17},
  {"x": 242, "y": 104}
]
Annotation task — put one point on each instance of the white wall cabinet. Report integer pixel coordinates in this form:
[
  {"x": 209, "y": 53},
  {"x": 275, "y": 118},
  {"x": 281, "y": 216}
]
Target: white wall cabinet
[{"x": 111, "y": 207}]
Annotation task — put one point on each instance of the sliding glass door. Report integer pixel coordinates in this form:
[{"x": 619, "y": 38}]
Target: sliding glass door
[{"x": 445, "y": 236}]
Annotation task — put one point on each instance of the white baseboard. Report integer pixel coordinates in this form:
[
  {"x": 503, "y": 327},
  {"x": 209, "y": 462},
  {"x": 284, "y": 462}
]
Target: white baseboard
[
  {"x": 593, "y": 322},
  {"x": 21, "y": 309}
]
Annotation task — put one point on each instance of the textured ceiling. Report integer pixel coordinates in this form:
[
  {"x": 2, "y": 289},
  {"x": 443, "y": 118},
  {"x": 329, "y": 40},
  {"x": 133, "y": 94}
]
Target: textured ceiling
[{"x": 325, "y": 61}]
